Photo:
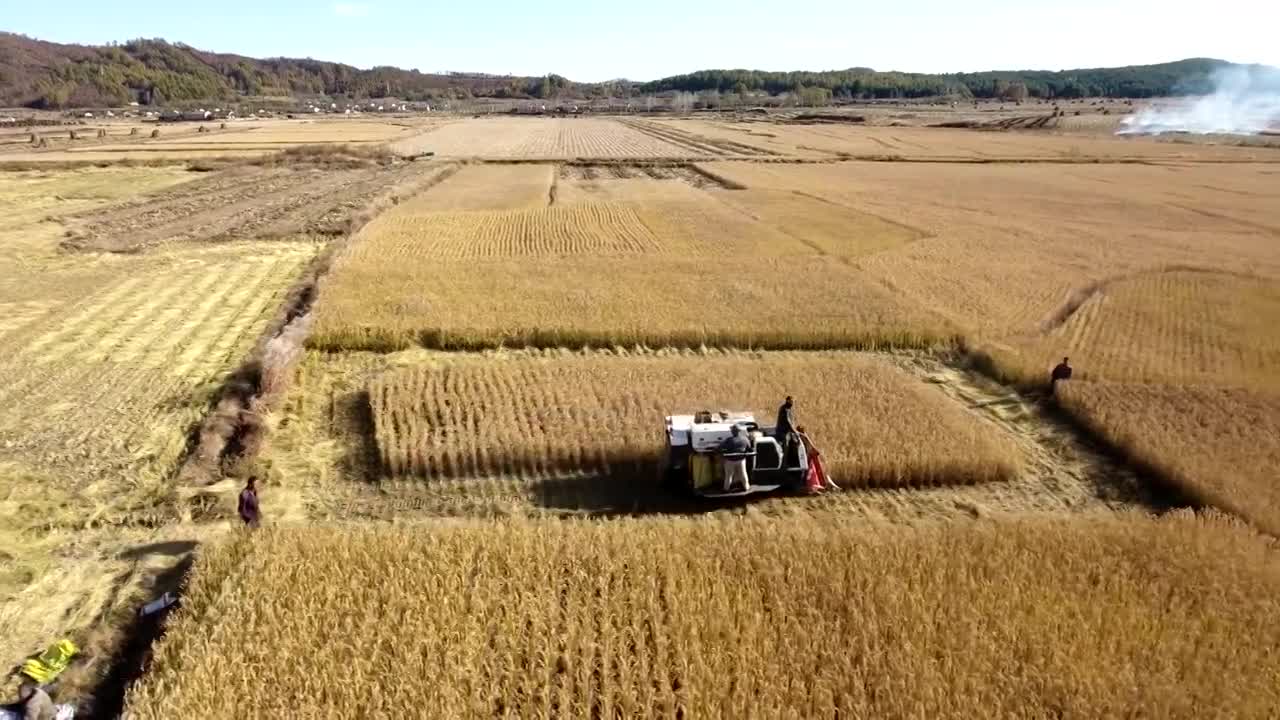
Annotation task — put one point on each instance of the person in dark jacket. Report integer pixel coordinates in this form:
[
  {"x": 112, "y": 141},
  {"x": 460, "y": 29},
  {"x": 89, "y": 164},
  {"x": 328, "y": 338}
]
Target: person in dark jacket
[
  {"x": 1061, "y": 371},
  {"x": 33, "y": 702},
  {"x": 785, "y": 428},
  {"x": 734, "y": 451},
  {"x": 248, "y": 505}
]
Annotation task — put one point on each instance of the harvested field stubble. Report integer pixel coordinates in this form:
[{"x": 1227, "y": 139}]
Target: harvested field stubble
[
  {"x": 641, "y": 618},
  {"x": 1220, "y": 447},
  {"x": 106, "y": 383},
  {"x": 310, "y": 192},
  {"x": 599, "y": 414}
]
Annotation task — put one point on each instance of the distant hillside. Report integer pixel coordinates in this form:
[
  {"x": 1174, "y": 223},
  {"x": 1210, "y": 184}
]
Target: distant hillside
[
  {"x": 46, "y": 75},
  {"x": 39, "y": 74},
  {"x": 1185, "y": 77}
]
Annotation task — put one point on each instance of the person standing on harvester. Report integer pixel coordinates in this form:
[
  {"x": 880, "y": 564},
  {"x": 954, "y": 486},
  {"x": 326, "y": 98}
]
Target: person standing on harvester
[
  {"x": 248, "y": 505},
  {"x": 734, "y": 451},
  {"x": 785, "y": 428}
]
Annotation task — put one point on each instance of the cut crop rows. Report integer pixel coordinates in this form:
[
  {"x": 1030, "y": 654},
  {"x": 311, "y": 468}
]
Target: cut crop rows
[{"x": 604, "y": 415}]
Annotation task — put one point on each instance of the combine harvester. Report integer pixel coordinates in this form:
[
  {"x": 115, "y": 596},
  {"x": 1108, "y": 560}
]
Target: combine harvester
[{"x": 693, "y": 458}]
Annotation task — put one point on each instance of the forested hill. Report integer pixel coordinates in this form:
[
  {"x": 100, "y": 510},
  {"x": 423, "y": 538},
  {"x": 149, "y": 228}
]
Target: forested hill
[
  {"x": 39, "y": 74},
  {"x": 1185, "y": 77}
]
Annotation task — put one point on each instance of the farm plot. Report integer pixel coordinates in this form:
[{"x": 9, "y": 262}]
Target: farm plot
[
  {"x": 1219, "y": 446},
  {"x": 27, "y": 197},
  {"x": 282, "y": 134},
  {"x": 637, "y": 618},
  {"x": 599, "y": 228},
  {"x": 106, "y": 379},
  {"x": 547, "y": 138},
  {"x": 695, "y": 143},
  {"x": 247, "y": 203},
  {"x": 948, "y": 144},
  {"x": 1176, "y": 326},
  {"x": 602, "y": 415},
  {"x": 678, "y": 266},
  {"x": 1007, "y": 246},
  {"x": 376, "y": 300},
  {"x": 485, "y": 187}
]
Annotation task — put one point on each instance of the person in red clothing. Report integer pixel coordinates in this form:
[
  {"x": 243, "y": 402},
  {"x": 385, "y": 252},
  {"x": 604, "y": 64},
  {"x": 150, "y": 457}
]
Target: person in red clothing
[
  {"x": 816, "y": 479},
  {"x": 248, "y": 505}
]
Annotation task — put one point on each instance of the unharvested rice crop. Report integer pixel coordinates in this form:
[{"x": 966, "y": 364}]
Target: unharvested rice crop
[
  {"x": 1221, "y": 447},
  {"x": 1178, "y": 326},
  {"x": 548, "y": 231},
  {"x": 822, "y": 225},
  {"x": 484, "y": 187},
  {"x": 600, "y": 414},
  {"x": 683, "y": 272},
  {"x": 546, "y": 138},
  {"x": 381, "y": 301},
  {"x": 1169, "y": 618}
]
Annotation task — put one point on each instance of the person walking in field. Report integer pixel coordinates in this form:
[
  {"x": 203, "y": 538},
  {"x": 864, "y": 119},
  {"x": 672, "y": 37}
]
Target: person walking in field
[
  {"x": 1061, "y": 371},
  {"x": 248, "y": 505},
  {"x": 816, "y": 478},
  {"x": 734, "y": 451}
]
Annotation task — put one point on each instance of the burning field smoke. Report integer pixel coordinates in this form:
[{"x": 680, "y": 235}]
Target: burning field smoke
[{"x": 1245, "y": 101}]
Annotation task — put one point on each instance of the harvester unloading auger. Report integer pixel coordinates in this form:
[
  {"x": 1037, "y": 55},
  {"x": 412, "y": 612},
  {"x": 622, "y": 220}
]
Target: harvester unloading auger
[{"x": 693, "y": 455}]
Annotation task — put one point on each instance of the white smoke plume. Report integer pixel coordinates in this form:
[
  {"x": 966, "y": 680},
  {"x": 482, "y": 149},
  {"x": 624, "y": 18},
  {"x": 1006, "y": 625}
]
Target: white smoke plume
[{"x": 1245, "y": 101}]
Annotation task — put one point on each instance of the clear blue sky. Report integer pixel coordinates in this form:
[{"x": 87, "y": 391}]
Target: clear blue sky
[{"x": 602, "y": 39}]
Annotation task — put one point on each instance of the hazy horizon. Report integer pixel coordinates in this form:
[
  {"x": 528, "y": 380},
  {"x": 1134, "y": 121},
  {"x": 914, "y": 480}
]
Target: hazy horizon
[{"x": 589, "y": 42}]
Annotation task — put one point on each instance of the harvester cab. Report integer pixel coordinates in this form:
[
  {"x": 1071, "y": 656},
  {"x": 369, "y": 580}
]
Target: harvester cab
[{"x": 693, "y": 462}]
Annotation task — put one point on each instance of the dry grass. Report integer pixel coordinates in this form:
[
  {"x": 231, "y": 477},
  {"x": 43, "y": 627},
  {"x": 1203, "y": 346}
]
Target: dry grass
[
  {"x": 1219, "y": 446},
  {"x": 1172, "y": 618},
  {"x": 599, "y": 414}
]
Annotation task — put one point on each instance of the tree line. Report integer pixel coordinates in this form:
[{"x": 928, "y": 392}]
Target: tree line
[
  {"x": 153, "y": 72},
  {"x": 1193, "y": 76}
]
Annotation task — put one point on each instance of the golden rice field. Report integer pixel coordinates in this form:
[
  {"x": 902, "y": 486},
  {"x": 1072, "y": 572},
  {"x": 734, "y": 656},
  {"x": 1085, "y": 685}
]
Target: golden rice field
[
  {"x": 703, "y": 618},
  {"x": 548, "y": 138},
  {"x": 1219, "y": 446},
  {"x": 542, "y": 232},
  {"x": 683, "y": 268},
  {"x": 375, "y": 303},
  {"x": 482, "y": 187},
  {"x": 876, "y": 425},
  {"x": 1175, "y": 326},
  {"x": 505, "y": 343}
]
